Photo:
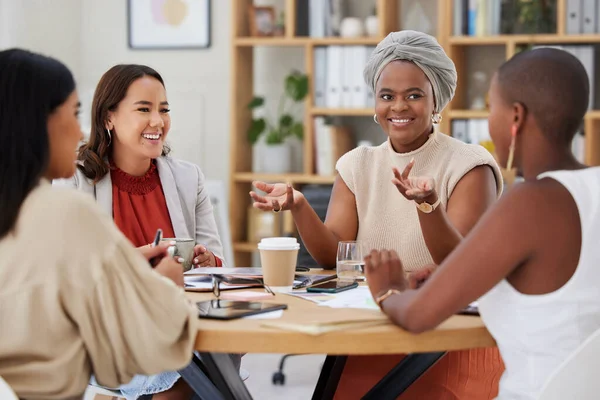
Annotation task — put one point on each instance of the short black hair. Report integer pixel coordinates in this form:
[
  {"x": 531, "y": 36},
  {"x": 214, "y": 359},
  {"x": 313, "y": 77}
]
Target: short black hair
[
  {"x": 552, "y": 85},
  {"x": 32, "y": 86}
]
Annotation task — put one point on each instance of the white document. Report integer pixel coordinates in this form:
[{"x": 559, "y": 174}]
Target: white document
[
  {"x": 589, "y": 16},
  {"x": 320, "y": 76},
  {"x": 574, "y": 19},
  {"x": 359, "y": 297},
  {"x": 270, "y": 315},
  {"x": 334, "y": 77},
  {"x": 249, "y": 272},
  {"x": 358, "y": 89}
]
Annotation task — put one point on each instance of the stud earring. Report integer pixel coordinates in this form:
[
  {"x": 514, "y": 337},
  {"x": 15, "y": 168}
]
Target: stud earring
[
  {"x": 375, "y": 119},
  {"x": 436, "y": 118}
]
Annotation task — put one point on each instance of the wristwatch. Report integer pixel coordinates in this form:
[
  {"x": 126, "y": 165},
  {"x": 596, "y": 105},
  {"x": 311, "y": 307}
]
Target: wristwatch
[
  {"x": 384, "y": 296},
  {"x": 427, "y": 208}
]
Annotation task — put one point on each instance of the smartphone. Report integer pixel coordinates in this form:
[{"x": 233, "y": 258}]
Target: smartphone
[
  {"x": 232, "y": 309},
  {"x": 332, "y": 287}
]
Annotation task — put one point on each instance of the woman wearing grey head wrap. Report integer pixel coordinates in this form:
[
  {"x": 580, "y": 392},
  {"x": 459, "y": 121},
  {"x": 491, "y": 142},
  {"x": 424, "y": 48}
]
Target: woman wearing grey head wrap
[{"x": 413, "y": 80}]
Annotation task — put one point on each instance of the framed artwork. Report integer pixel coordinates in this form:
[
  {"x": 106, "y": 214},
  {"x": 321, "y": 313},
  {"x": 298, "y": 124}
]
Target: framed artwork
[
  {"x": 168, "y": 24},
  {"x": 262, "y": 21}
]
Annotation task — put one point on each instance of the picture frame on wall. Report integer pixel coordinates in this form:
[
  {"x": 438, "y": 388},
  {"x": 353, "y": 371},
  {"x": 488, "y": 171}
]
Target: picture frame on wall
[
  {"x": 169, "y": 24},
  {"x": 261, "y": 20}
]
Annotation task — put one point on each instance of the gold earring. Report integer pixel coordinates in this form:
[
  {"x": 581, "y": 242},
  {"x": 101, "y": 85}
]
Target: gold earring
[
  {"x": 509, "y": 173},
  {"x": 436, "y": 118}
]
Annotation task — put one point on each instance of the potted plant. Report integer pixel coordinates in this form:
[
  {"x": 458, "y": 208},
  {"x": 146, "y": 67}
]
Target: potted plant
[{"x": 276, "y": 156}]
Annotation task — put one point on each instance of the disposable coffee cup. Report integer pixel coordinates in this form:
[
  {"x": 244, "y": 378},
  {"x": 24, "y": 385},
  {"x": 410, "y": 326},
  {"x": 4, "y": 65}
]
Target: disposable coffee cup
[
  {"x": 184, "y": 248},
  {"x": 278, "y": 257}
]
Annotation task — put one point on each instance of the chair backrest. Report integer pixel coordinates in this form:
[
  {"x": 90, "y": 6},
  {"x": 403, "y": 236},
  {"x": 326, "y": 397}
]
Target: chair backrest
[
  {"x": 216, "y": 192},
  {"x": 577, "y": 376},
  {"x": 6, "y": 393}
]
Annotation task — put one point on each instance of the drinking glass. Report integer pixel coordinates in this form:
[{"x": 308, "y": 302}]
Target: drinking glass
[{"x": 350, "y": 263}]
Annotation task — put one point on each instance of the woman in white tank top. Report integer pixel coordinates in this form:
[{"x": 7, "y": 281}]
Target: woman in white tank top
[{"x": 533, "y": 260}]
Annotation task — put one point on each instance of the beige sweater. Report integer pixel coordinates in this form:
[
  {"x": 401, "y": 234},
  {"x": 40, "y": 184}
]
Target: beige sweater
[
  {"x": 76, "y": 298},
  {"x": 386, "y": 220}
]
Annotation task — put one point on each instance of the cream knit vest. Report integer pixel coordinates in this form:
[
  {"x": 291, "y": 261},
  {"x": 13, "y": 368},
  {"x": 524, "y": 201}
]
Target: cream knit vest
[{"x": 386, "y": 220}]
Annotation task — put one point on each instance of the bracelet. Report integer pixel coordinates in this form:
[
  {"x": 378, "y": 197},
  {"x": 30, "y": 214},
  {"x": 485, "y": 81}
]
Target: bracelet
[{"x": 384, "y": 296}]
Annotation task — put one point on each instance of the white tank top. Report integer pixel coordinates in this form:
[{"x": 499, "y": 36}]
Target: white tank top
[{"x": 535, "y": 333}]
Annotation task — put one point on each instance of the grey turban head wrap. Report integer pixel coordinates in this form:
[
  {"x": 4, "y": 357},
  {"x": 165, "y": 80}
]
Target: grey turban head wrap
[{"x": 425, "y": 52}]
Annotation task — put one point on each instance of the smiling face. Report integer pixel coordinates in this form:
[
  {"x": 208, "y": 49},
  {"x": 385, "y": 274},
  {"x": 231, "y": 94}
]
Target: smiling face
[
  {"x": 404, "y": 105},
  {"x": 64, "y": 134},
  {"x": 141, "y": 121}
]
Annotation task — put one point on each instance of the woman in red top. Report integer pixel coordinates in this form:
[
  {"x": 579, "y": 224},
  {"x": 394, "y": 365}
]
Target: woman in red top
[{"x": 125, "y": 166}]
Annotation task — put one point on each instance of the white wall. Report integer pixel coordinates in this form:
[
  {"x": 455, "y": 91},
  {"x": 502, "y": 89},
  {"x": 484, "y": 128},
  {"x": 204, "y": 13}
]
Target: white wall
[
  {"x": 90, "y": 36},
  {"x": 49, "y": 27},
  {"x": 197, "y": 80}
]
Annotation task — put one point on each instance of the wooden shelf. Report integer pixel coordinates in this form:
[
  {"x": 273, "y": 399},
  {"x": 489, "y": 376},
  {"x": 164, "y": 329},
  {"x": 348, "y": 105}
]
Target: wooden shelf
[
  {"x": 291, "y": 178},
  {"x": 593, "y": 114},
  {"x": 468, "y": 114},
  {"x": 245, "y": 247},
  {"x": 331, "y": 41},
  {"x": 475, "y": 114},
  {"x": 523, "y": 39},
  {"x": 283, "y": 41},
  {"x": 348, "y": 112}
]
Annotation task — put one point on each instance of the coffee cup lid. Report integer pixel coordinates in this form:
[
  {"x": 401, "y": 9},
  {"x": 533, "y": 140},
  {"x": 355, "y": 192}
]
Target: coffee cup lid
[{"x": 279, "y": 243}]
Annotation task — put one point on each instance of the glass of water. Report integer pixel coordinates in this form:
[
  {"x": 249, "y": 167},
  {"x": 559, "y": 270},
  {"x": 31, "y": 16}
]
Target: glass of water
[{"x": 350, "y": 263}]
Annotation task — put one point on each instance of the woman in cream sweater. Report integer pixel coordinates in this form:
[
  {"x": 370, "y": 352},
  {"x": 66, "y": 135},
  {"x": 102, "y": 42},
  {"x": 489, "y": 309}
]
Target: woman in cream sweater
[
  {"x": 76, "y": 297},
  {"x": 413, "y": 80}
]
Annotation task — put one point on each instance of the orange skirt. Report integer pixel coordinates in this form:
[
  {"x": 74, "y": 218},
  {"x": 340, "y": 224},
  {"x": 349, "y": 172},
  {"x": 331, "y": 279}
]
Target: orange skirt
[{"x": 459, "y": 375}]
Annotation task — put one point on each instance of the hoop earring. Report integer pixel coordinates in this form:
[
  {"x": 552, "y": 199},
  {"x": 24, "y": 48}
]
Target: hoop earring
[
  {"x": 109, "y": 136},
  {"x": 436, "y": 118},
  {"x": 375, "y": 119},
  {"x": 509, "y": 173}
]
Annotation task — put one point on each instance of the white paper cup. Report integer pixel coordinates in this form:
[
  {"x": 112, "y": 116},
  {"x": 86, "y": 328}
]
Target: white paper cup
[{"x": 278, "y": 257}]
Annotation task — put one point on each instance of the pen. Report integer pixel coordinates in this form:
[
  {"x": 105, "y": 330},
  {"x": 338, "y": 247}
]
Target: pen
[{"x": 157, "y": 238}]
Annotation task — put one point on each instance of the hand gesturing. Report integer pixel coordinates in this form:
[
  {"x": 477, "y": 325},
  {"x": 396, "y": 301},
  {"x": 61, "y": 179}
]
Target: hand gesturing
[
  {"x": 278, "y": 197},
  {"x": 417, "y": 188}
]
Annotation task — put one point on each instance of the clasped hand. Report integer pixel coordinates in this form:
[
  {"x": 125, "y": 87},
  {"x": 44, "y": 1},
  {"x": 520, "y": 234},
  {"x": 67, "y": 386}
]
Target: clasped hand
[{"x": 384, "y": 271}]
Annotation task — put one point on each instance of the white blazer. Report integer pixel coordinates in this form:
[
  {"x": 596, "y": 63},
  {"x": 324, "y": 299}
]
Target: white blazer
[{"x": 187, "y": 200}]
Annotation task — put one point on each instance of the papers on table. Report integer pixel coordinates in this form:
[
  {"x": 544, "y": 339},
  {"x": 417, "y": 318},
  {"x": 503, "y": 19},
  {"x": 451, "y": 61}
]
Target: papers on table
[
  {"x": 270, "y": 315},
  {"x": 203, "y": 283},
  {"x": 241, "y": 272},
  {"x": 353, "y": 298}
]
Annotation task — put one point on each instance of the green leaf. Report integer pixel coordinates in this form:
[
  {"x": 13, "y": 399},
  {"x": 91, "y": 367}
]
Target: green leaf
[
  {"x": 296, "y": 86},
  {"x": 257, "y": 127},
  {"x": 274, "y": 137},
  {"x": 256, "y": 101},
  {"x": 286, "y": 121},
  {"x": 298, "y": 130}
]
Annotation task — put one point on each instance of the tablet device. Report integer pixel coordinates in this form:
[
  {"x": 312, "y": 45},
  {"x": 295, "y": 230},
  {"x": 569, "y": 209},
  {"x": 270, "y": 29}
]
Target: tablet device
[{"x": 231, "y": 309}]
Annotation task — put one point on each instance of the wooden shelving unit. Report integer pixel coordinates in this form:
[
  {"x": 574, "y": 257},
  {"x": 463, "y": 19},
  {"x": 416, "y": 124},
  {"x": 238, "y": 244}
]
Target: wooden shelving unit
[
  {"x": 242, "y": 46},
  {"x": 457, "y": 46}
]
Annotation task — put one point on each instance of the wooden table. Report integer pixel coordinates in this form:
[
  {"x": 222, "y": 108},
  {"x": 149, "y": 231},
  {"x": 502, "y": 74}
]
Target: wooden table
[{"x": 249, "y": 336}]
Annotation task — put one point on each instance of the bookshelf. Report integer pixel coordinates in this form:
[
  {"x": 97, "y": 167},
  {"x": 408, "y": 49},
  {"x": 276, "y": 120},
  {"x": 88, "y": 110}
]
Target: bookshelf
[{"x": 457, "y": 47}]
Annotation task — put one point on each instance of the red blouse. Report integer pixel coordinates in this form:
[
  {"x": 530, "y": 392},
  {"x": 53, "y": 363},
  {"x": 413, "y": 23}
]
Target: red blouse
[{"x": 139, "y": 206}]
